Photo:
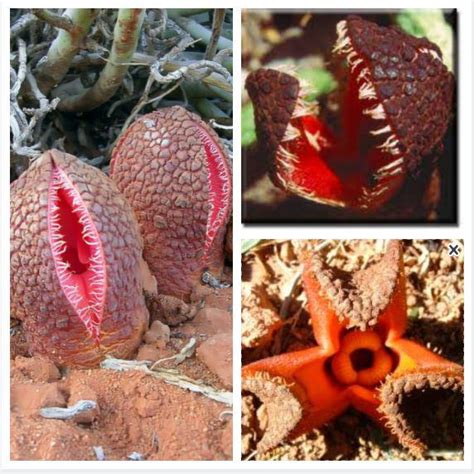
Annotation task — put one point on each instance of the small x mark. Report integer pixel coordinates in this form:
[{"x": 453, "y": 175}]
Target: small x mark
[{"x": 454, "y": 250}]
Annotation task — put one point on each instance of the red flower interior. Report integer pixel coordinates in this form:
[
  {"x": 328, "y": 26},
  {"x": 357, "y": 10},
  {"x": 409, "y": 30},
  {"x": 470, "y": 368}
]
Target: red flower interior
[
  {"x": 220, "y": 179},
  {"x": 77, "y": 251},
  {"x": 394, "y": 103}
]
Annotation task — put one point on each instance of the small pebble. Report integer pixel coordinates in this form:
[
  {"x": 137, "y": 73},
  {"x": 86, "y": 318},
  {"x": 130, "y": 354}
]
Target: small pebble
[
  {"x": 135, "y": 456},
  {"x": 99, "y": 452}
]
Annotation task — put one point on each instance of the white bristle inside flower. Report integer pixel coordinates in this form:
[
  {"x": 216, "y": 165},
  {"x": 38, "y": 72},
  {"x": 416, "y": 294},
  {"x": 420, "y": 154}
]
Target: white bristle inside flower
[
  {"x": 376, "y": 113},
  {"x": 388, "y": 173},
  {"x": 302, "y": 192},
  {"x": 380, "y": 131},
  {"x": 283, "y": 183},
  {"x": 397, "y": 164},
  {"x": 367, "y": 91},
  {"x": 285, "y": 157},
  {"x": 364, "y": 75},
  {"x": 343, "y": 42},
  {"x": 88, "y": 304},
  {"x": 432, "y": 52},
  {"x": 316, "y": 140},
  {"x": 368, "y": 195},
  {"x": 304, "y": 108},
  {"x": 353, "y": 59},
  {"x": 220, "y": 194},
  {"x": 291, "y": 133},
  {"x": 390, "y": 145},
  {"x": 375, "y": 191}
]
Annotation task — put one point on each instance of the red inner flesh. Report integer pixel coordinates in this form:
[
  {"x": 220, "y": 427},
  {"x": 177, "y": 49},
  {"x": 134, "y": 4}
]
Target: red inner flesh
[
  {"x": 77, "y": 252},
  {"x": 219, "y": 187},
  {"x": 339, "y": 171}
]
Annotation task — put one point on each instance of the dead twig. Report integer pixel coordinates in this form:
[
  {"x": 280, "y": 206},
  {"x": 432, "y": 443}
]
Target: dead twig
[
  {"x": 209, "y": 279},
  {"x": 197, "y": 31},
  {"x": 184, "y": 353},
  {"x": 217, "y": 21},
  {"x": 23, "y": 131},
  {"x": 59, "y": 413},
  {"x": 19, "y": 76},
  {"x": 21, "y": 25},
  {"x": 170, "y": 376},
  {"x": 215, "y": 124},
  {"x": 145, "y": 100}
]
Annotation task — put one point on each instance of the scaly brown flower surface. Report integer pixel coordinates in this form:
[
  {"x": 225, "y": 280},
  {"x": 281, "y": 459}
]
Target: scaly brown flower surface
[{"x": 362, "y": 359}]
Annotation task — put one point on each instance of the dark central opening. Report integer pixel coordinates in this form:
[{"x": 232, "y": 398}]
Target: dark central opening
[{"x": 362, "y": 359}]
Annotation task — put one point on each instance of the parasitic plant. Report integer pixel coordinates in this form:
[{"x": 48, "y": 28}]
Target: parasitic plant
[
  {"x": 362, "y": 358},
  {"x": 393, "y": 109},
  {"x": 175, "y": 173},
  {"x": 76, "y": 273}
]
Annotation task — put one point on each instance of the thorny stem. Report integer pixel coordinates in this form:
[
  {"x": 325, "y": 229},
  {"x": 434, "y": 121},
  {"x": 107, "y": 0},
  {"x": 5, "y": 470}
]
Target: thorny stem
[
  {"x": 54, "y": 67},
  {"x": 200, "y": 32},
  {"x": 217, "y": 21},
  {"x": 126, "y": 34}
]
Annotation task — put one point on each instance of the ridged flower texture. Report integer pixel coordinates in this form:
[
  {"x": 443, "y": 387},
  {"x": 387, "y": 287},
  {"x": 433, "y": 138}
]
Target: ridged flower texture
[
  {"x": 76, "y": 272},
  {"x": 394, "y": 104},
  {"x": 362, "y": 359},
  {"x": 176, "y": 174}
]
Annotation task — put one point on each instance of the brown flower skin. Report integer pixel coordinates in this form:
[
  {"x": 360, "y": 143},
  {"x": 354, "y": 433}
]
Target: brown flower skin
[
  {"x": 377, "y": 153},
  {"x": 52, "y": 326},
  {"x": 163, "y": 166}
]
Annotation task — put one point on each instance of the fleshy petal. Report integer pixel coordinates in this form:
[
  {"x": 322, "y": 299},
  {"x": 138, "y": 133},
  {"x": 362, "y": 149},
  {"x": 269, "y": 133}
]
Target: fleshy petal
[
  {"x": 365, "y": 400},
  {"x": 321, "y": 390},
  {"x": 284, "y": 410},
  {"x": 284, "y": 365},
  {"x": 416, "y": 388},
  {"x": 413, "y": 356},
  {"x": 327, "y": 327},
  {"x": 393, "y": 320},
  {"x": 304, "y": 373}
]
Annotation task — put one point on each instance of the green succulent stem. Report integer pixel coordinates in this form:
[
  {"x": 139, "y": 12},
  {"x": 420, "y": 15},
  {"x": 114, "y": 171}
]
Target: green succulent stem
[
  {"x": 198, "y": 31},
  {"x": 126, "y": 33},
  {"x": 63, "y": 49}
]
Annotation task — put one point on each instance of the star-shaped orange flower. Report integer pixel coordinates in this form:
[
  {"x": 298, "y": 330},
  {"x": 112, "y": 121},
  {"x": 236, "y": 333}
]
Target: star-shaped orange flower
[{"x": 361, "y": 360}]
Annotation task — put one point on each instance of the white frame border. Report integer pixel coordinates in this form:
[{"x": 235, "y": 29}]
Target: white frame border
[{"x": 464, "y": 231}]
